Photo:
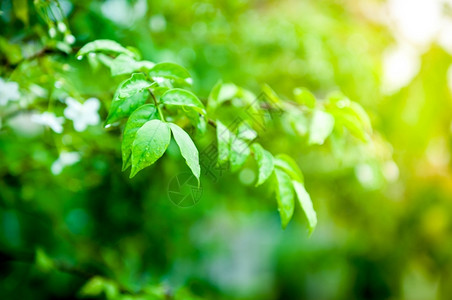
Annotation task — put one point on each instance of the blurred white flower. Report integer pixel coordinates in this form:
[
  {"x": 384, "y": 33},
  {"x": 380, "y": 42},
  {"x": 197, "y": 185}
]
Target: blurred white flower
[
  {"x": 65, "y": 159},
  {"x": 52, "y": 32},
  {"x": 23, "y": 125},
  {"x": 366, "y": 175},
  {"x": 420, "y": 22},
  {"x": 417, "y": 21},
  {"x": 61, "y": 27},
  {"x": 9, "y": 91},
  {"x": 416, "y": 25},
  {"x": 400, "y": 65},
  {"x": 70, "y": 39},
  {"x": 390, "y": 171},
  {"x": 49, "y": 119},
  {"x": 82, "y": 114},
  {"x": 157, "y": 23},
  {"x": 38, "y": 91}
]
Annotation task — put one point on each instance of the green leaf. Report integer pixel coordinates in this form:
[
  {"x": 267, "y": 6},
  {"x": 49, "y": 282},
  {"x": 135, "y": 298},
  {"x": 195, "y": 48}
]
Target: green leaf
[
  {"x": 183, "y": 98},
  {"x": 103, "y": 58},
  {"x": 227, "y": 92},
  {"x": 298, "y": 121},
  {"x": 159, "y": 292},
  {"x": 158, "y": 91},
  {"x": 137, "y": 119},
  {"x": 136, "y": 83},
  {"x": 21, "y": 10},
  {"x": 151, "y": 142},
  {"x": 223, "y": 138},
  {"x": 111, "y": 289},
  {"x": 199, "y": 121},
  {"x": 104, "y": 46},
  {"x": 124, "y": 64},
  {"x": 123, "y": 107},
  {"x": 94, "y": 287},
  {"x": 264, "y": 161},
  {"x": 246, "y": 132},
  {"x": 284, "y": 196},
  {"x": 270, "y": 93},
  {"x": 351, "y": 115},
  {"x": 223, "y": 92},
  {"x": 201, "y": 125},
  {"x": 354, "y": 126},
  {"x": 170, "y": 71},
  {"x": 306, "y": 204},
  {"x": 43, "y": 262},
  {"x": 361, "y": 115},
  {"x": 98, "y": 285},
  {"x": 239, "y": 152},
  {"x": 286, "y": 163},
  {"x": 187, "y": 149},
  {"x": 214, "y": 93},
  {"x": 12, "y": 52},
  {"x": 231, "y": 148},
  {"x": 304, "y": 96},
  {"x": 135, "y": 51},
  {"x": 130, "y": 95},
  {"x": 322, "y": 125},
  {"x": 338, "y": 145}
]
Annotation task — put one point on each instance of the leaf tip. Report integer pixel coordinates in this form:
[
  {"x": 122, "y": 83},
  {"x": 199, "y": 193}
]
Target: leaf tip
[
  {"x": 311, "y": 231},
  {"x": 133, "y": 172},
  {"x": 124, "y": 166}
]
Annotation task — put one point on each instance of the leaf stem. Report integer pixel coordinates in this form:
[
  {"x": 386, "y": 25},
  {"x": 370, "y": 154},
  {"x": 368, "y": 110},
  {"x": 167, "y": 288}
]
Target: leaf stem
[{"x": 157, "y": 105}]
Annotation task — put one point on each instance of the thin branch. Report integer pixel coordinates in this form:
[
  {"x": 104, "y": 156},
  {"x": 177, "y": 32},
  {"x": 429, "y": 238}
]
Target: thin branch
[
  {"x": 157, "y": 105},
  {"x": 212, "y": 123}
]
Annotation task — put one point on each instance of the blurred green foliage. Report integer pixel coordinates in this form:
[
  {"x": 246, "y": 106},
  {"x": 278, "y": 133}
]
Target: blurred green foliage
[{"x": 73, "y": 225}]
